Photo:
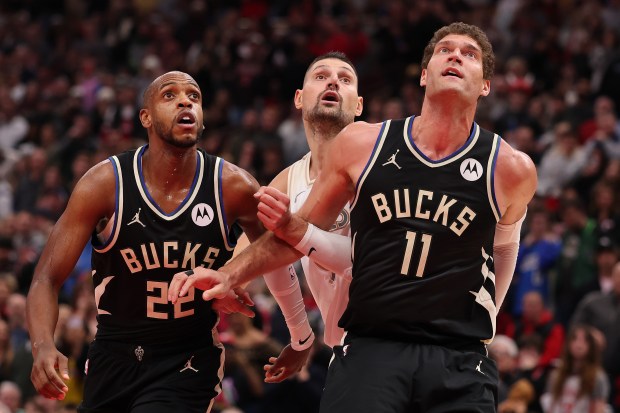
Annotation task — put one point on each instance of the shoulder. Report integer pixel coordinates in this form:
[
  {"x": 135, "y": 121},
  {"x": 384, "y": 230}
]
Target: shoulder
[
  {"x": 238, "y": 179},
  {"x": 359, "y": 129},
  {"x": 98, "y": 183},
  {"x": 99, "y": 178},
  {"x": 354, "y": 140},
  {"x": 514, "y": 167},
  {"x": 516, "y": 182},
  {"x": 280, "y": 182}
]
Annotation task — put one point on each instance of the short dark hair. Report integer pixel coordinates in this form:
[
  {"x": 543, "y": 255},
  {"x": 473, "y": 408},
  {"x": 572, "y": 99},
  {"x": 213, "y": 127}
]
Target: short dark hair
[
  {"x": 488, "y": 57},
  {"x": 331, "y": 55}
]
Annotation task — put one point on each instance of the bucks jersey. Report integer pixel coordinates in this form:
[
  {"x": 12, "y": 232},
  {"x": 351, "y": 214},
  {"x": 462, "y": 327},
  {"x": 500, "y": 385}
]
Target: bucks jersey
[
  {"x": 330, "y": 291},
  {"x": 133, "y": 266},
  {"x": 423, "y": 241}
]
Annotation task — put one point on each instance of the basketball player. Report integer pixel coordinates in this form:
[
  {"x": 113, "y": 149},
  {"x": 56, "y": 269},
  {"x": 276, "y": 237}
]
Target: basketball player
[
  {"x": 329, "y": 101},
  {"x": 152, "y": 212},
  {"x": 437, "y": 207}
]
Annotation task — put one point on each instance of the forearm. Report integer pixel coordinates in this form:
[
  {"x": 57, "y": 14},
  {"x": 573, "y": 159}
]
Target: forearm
[
  {"x": 265, "y": 254},
  {"x": 284, "y": 286},
  {"x": 293, "y": 232},
  {"x": 41, "y": 313},
  {"x": 505, "y": 251}
]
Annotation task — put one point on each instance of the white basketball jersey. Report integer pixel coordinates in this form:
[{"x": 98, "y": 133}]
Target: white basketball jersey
[{"x": 330, "y": 291}]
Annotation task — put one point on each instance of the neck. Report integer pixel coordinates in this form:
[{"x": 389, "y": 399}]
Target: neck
[
  {"x": 443, "y": 128},
  {"x": 318, "y": 137},
  {"x": 169, "y": 167}
]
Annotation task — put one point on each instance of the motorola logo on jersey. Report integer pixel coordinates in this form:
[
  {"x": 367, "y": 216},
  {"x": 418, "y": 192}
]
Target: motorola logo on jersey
[
  {"x": 202, "y": 215},
  {"x": 471, "y": 169}
]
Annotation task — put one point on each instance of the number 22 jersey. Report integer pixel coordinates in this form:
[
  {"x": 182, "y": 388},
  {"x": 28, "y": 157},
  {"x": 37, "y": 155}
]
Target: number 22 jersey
[{"x": 145, "y": 247}]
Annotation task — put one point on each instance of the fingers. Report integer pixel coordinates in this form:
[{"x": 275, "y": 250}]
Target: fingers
[
  {"x": 178, "y": 285},
  {"x": 243, "y": 296},
  {"x": 47, "y": 380},
  {"x": 217, "y": 291}
]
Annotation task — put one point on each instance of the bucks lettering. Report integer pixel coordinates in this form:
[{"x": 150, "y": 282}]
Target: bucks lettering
[
  {"x": 169, "y": 254},
  {"x": 427, "y": 205}
]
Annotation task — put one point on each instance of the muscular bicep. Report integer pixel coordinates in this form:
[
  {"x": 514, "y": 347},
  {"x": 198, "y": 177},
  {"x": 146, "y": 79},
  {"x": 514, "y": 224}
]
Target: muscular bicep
[
  {"x": 515, "y": 184},
  {"x": 91, "y": 201}
]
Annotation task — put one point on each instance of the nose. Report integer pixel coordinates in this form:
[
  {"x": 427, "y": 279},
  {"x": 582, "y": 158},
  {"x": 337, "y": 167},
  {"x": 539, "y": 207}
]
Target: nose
[
  {"x": 455, "y": 55},
  {"x": 184, "y": 101},
  {"x": 333, "y": 82}
]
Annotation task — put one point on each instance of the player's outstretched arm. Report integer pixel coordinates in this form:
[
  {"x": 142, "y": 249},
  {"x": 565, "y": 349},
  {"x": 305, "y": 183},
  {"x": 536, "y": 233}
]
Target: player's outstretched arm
[{"x": 327, "y": 249}]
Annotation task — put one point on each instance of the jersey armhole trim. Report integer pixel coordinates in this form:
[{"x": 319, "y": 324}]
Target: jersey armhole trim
[
  {"x": 118, "y": 209},
  {"x": 371, "y": 161},
  {"x": 219, "y": 203},
  {"x": 491, "y": 177}
]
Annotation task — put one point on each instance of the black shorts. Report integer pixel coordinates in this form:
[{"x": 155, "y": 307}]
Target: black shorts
[
  {"x": 135, "y": 379},
  {"x": 371, "y": 375}
]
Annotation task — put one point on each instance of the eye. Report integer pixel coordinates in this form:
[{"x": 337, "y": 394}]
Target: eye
[
  {"x": 443, "y": 50},
  {"x": 345, "y": 80},
  {"x": 194, "y": 95},
  {"x": 168, "y": 95},
  {"x": 471, "y": 54},
  {"x": 319, "y": 77}
]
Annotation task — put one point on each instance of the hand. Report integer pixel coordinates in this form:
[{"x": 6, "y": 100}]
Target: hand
[
  {"x": 215, "y": 284},
  {"x": 236, "y": 301},
  {"x": 273, "y": 208},
  {"x": 49, "y": 370},
  {"x": 288, "y": 363}
]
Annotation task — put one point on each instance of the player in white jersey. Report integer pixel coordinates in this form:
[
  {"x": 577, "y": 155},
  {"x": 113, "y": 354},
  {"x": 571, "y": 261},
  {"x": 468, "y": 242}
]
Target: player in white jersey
[
  {"x": 329, "y": 101},
  {"x": 329, "y": 287}
]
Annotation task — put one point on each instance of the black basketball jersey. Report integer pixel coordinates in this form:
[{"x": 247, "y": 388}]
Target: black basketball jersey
[
  {"x": 422, "y": 234},
  {"x": 133, "y": 268}
]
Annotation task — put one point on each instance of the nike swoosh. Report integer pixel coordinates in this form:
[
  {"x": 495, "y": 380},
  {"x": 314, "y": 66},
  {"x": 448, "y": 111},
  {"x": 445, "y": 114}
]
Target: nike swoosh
[
  {"x": 302, "y": 342},
  {"x": 312, "y": 249}
]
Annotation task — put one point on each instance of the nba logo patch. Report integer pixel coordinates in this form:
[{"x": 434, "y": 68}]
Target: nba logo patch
[
  {"x": 202, "y": 215},
  {"x": 471, "y": 169}
]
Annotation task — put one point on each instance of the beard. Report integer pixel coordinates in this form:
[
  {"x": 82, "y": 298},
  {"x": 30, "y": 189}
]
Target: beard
[
  {"x": 329, "y": 120},
  {"x": 167, "y": 136}
]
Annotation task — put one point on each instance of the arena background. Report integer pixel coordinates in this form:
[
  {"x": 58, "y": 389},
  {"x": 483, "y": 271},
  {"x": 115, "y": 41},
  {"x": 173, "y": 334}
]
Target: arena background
[{"x": 71, "y": 77}]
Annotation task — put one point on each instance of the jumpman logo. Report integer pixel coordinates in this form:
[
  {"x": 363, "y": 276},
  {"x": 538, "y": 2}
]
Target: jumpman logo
[
  {"x": 392, "y": 159},
  {"x": 136, "y": 218},
  {"x": 188, "y": 365},
  {"x": 478, "y": 367}
]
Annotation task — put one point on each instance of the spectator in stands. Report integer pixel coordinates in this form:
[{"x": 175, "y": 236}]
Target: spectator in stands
[
  {"x": 561, "y": 162},
  {"x": 538, "y": 254},
  {"x": 537, "y": 319},
  {"x": 579, "y": 383},
  {"x": 576, "y": 267}
]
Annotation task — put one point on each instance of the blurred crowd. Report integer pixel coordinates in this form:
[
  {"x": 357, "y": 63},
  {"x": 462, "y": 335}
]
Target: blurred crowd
[{"x": 72, "y": 73}]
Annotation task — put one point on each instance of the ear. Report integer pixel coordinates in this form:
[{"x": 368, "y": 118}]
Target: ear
[
  {"x": 145, "y": 118},
  {"x": 486, "y": 87},
  {"x": 360, "y": 106},
  {"x": 297, "y": 98},
  {"x": 423, "y": 78}
]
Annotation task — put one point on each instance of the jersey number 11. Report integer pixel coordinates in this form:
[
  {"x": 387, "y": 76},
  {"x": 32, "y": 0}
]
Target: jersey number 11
[{"x": 411, "y": 241}]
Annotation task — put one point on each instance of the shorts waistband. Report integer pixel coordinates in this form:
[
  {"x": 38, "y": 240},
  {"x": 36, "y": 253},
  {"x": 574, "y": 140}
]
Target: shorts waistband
[{"x": 478, "y": 347}]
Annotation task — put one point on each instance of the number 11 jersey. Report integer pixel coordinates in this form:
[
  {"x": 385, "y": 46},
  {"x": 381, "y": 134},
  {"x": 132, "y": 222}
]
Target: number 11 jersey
[{"x": 422, "y": 233}]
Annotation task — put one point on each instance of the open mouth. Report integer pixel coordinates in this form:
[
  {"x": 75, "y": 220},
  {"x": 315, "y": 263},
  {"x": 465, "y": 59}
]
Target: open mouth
[
  {"x": 186, "y": 119},
  {"x": 330, "y": 97},
  {"x": 452, "y": 72}
]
